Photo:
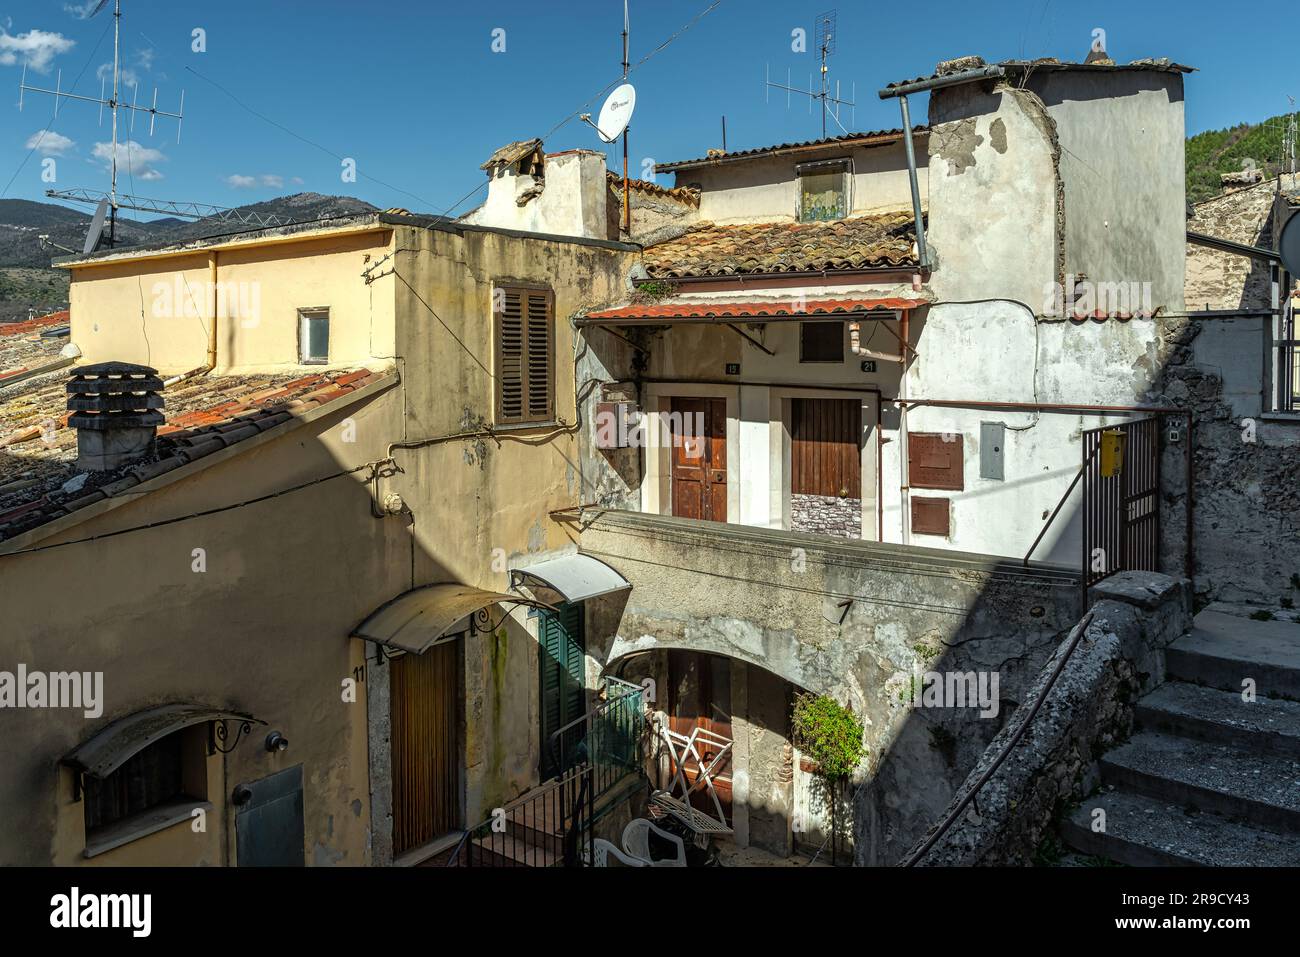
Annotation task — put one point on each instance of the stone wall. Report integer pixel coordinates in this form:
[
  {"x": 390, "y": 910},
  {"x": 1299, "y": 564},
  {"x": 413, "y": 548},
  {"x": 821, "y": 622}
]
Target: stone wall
[
  {"x": 1222, "y": 280},
  {"x": 1089, "y": 708},
  {"x": 1246, "y": 463},
  {"x": 826, "y": 515},
  {"x": 855, "y": 620}
]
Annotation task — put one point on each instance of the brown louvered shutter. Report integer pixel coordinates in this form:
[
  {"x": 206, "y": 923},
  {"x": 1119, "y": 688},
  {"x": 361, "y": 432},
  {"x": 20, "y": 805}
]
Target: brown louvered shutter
[
  {"x": 525, "y": 356},
  {"x": 510, "y": 357},
  {"x": 539, "y": 356}
]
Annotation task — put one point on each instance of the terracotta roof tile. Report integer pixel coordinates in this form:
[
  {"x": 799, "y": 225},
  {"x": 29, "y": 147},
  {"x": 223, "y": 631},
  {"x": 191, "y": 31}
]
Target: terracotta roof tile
[
  {"x": 716, "y": 309},
  {"x": 860, "y": 242},
  {"x": 205, "y": 415}
]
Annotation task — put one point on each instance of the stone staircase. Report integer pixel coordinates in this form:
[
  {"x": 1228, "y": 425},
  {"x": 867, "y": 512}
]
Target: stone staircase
[{"x": 1207, "y": 778}]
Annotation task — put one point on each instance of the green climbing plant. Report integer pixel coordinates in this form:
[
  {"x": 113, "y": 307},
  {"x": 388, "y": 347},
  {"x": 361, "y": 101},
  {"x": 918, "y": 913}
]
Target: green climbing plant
[{"x": 829, "y": 734}]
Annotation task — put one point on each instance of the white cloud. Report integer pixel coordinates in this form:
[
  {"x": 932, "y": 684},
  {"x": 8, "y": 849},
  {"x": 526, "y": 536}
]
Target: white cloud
[
  {"x": 36, "y": 48},
  {"x": 49, "y": 143},
  {"x": 127, "y": 78},
  {"x": 80, "y": 10},
  {"x": 132, "y": 159},
  {"x": 269, "y": 180},
  {"x": 144, "y": 58},
  {"x": 297, "y": 181}
]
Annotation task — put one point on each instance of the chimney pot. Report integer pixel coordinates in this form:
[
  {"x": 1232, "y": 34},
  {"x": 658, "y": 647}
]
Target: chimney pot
[{"x": 114, "y": 409}]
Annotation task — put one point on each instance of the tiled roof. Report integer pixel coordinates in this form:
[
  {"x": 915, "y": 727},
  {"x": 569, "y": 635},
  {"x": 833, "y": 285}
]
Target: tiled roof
[
  {"x": 1047, "y": 64},
  {"x": 866, "y": 138},
  {"x": 38, "y": 451},
  {"x": 24, "y": 348},
  {"x": 715, "y": 309},
  {"x": 682, "y": 194},
  {"x": 511, "y": 153},
  {"x": 860, "y": 242}
]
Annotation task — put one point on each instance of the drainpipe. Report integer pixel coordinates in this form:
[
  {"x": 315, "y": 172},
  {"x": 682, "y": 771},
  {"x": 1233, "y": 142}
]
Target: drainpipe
[
  {"x": 905, "y": 516},
  {"x": 922, "y": 254},
  {"x": 212, "y": 328}
]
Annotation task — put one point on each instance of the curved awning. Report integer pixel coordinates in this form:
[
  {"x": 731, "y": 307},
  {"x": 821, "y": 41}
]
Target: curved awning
[
  {"x": 416, "y": 620},
  {"x": 572, "y": 578},
  {"x": 112, "y": 747}
]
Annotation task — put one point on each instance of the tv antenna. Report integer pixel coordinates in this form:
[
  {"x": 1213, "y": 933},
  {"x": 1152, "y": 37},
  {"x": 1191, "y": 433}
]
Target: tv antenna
[
  {"x": 1288, "y": 142},
  {"x": 826, "y": 42},
  {"x": 114, "y": 103},
  {"x": 614, "y": 118}
]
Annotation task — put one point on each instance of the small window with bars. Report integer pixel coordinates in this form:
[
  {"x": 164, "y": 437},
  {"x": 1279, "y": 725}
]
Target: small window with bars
[{"x": 525, "y": 354}]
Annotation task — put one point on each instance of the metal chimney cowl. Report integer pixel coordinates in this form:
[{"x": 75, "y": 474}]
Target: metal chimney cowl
[{"x": 114, "y": 409}]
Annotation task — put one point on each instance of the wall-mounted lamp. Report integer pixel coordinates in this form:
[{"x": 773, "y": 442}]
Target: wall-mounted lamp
[{"x": 275, "y": 741}]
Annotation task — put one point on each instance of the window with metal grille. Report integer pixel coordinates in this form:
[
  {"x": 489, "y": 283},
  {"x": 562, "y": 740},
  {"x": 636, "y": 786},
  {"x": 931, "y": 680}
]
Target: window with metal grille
[
  {"x": 525, "y": 354},
  {"x": 168, "y": 770},
  {"x": 821, "y": 342}
]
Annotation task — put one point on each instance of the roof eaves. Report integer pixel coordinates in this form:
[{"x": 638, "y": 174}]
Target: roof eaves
[
  {"x": 852, "y": 140},
  {"x": 166, "y": 476}
]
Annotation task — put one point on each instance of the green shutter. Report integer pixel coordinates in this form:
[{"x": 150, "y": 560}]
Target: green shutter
[{"x": 560, "y": 676}]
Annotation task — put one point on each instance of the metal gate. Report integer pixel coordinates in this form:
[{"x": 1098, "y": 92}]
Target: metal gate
[{"x": 1121, "y": 500}]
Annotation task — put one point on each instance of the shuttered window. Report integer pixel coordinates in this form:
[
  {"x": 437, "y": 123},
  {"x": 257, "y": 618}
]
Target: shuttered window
[
  {"x": 935, "y": 460},
  {"x": 525, "y": 355}
]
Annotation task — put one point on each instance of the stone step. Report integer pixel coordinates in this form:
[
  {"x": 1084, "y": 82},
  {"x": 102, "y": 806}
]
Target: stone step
[
  {"x": 1271, "y": 725},
  {"x": 1258, "y": 789},
  {"x": 1223, "y": 650},
  {"x": 1144, "y": 832}
]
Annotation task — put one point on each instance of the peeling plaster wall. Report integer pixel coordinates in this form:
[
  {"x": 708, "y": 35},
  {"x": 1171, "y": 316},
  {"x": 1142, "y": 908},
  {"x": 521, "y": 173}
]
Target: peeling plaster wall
[
  {"x": 1221, "y": 280},
  {"x": 773, "y": 600}
]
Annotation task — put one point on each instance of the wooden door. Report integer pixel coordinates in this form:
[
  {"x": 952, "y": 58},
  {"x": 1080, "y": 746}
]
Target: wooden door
[
  {"x": 699, "y": 695},
  {"x": 560, "y": 682},
  {"x": 424, "y": 693},
  {"x": 699, "y": 458},
  {"x": 825, "y": 458}
]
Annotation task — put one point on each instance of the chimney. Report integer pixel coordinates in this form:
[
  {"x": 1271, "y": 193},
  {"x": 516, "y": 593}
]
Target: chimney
[{"x": 114, "y": 409}]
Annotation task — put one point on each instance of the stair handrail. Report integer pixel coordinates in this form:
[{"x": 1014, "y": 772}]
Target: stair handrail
[
  {"x": 527, "y": 797},
  {"x": 1075, "y": 636}
]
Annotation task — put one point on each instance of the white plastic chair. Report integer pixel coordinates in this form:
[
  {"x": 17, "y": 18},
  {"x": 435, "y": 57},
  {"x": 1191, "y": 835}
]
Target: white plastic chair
[
  {"x": 602, "y": 850},
  {"x": 636, "y": 841}
]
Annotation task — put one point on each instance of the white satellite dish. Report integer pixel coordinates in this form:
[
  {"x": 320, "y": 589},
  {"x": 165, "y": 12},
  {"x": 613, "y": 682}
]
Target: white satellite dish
[
  {"x": 96, "y": 230},
  {"x": 616, "y": 113}
]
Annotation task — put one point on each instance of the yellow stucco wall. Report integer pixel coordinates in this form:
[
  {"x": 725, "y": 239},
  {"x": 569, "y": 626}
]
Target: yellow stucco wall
[
  {"x": 265, "y": 628},
  {"x": 157, "y": 309}
]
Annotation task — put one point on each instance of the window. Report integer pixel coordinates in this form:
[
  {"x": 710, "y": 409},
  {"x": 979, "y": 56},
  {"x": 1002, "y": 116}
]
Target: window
[
  {"x": 821, "y": 342},
  {"x": 525, "y": 361},
  {"x": 823, "y": 190},
  {"x": 169, "y": 773},
  {"x": 1285, "y": 360},
  {"x": 313, "y": 336}
]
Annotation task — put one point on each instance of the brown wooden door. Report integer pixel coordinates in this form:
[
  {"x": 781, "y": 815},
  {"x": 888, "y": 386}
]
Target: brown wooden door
[
  {"x": 825, "y": 458},
  {"x": 425, "y": 745},
  {"x": 699, "y": 450},
  {"x": 699, "y": 695}
]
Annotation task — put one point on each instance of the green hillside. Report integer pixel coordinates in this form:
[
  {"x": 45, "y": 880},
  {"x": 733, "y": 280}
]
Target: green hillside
[{"x": 1222, "y": 151}]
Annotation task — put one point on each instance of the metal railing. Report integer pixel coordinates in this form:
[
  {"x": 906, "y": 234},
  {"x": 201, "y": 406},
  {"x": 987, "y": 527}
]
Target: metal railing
[
  {"x": 551, "y": 825},
  {"x": 608, "y": 737}
]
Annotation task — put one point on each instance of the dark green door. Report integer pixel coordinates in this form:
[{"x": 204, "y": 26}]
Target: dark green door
[{"x": 561, "y": 667}]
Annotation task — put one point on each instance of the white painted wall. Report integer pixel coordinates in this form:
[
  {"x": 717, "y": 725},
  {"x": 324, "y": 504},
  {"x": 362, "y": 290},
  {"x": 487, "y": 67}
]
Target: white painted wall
[{"x": 573, "y": 202}]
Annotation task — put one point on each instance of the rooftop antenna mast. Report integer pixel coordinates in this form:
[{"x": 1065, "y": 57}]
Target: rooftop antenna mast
[
  {"x": 1288, "y": 143},
  {"x": 114, "y": 103},
  {"x": 627, "y": 195},
  {"x": 826, "y": 42}
]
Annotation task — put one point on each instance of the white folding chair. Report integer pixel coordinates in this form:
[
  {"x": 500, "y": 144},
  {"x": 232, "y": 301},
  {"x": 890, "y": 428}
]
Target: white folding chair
[
  {"x": 602, "y": 850},
  {"x": 636, "y": 841},
  {"x": 685, "y": 749}
]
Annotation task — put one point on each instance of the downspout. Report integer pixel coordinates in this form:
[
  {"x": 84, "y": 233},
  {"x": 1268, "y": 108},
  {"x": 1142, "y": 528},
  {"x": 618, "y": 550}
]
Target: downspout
[
  {"x": 211, "y": 362},
  {"x": 922, "y": 254},
  {"x": 905, "y": 516}
]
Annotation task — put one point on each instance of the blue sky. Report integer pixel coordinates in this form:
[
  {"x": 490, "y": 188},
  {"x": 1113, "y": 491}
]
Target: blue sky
[{"x": 414, "y": 92}]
